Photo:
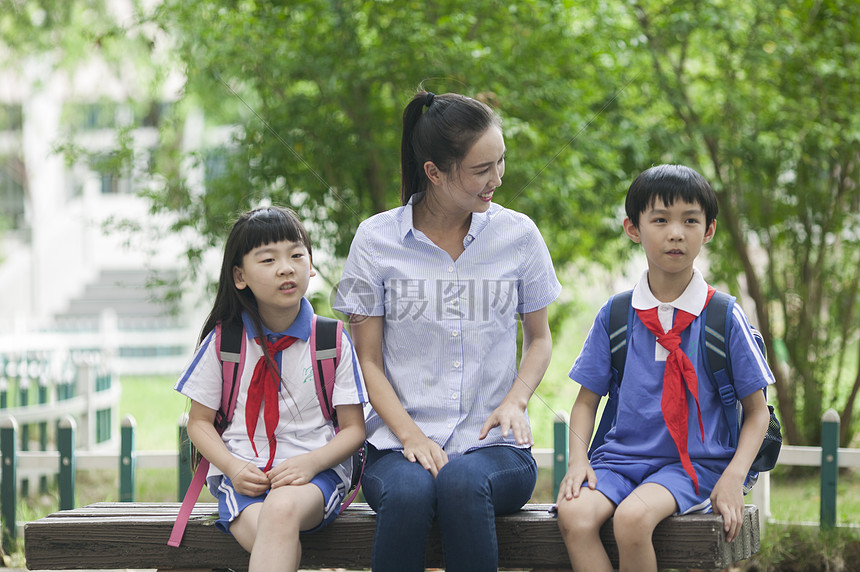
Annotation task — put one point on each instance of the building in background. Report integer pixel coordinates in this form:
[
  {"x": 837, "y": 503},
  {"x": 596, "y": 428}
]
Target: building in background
[{"x": 69, "y": 268}]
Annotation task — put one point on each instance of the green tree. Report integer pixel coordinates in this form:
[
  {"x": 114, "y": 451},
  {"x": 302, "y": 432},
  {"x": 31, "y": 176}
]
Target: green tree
[
  {"x": 762, "y": 98},
  {"x": 318, "y": 88},
  {"x": 758, "y": 96}
]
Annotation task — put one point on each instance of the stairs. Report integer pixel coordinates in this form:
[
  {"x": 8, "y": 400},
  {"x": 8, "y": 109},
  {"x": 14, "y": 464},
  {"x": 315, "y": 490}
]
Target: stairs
[{"x": 135, "y": 297}]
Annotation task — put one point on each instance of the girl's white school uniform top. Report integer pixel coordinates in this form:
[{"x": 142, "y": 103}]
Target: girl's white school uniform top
[
  {"x": 450, "y": 326},
  {"x": 640, "y": 431},
  {"x": 302, "y": 426}
]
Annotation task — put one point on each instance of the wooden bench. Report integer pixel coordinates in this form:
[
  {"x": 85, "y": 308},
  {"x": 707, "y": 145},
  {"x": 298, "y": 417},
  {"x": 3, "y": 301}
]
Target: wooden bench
[{"x": 134, "y": 535}]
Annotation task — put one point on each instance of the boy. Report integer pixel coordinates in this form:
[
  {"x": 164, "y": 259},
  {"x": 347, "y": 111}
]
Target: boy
[{"x": 668, "y": 452}]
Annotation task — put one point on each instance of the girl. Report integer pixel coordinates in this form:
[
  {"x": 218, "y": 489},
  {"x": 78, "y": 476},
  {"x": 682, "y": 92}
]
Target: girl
[
  {"x": 278, "y": 468},
  {"x": 433, "y": 290}
]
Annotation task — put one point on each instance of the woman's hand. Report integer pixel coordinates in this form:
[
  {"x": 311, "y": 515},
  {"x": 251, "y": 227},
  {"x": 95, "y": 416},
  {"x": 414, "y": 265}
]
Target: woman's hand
[
  {"x": 510, "y": 418},
  {"x": 426, "y": 452}
]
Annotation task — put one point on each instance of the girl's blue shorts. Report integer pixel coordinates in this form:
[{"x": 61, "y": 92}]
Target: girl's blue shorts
[{"x": 231, "y": 504}]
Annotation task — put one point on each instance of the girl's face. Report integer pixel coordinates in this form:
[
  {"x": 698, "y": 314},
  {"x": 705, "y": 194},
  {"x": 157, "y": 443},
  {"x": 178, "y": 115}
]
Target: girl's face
[
  {"x": 470, "y": 187},
  {"x": 278, "y": 275}
]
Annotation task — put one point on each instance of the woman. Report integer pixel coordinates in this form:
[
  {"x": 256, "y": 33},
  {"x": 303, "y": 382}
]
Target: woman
[{"x": 433, "y": 290}]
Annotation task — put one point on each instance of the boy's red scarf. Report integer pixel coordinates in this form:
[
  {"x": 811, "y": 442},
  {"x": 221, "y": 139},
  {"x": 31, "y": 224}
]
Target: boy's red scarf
[
  {"x": 679, "y": 371},
  {"x": 264, "y": 392}
]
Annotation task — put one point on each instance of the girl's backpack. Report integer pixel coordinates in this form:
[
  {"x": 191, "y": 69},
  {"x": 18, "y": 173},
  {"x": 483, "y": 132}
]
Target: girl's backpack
[
  {"x": 715, "y": 339},
  {"x": 230, "y": 341}
]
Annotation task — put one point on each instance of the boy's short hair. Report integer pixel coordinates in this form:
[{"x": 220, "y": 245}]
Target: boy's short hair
[{"x": 670, "y": 183}]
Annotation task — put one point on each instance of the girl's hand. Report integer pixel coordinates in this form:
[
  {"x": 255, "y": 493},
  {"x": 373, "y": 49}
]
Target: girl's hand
[
  {"x": 509, "y": 417},
  {"x": 298, "y": 470},
  {"x": 571, "y": 483},
  {"x": 727, "y": 500},
  {"x": 249, "y": 480},
  {"x": 426, "y": 452}
]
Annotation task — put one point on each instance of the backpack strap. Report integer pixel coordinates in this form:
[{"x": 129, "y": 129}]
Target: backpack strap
[
  {"x": 715, "y": 338},
  {"x": 230, "y": 341},
  {"x": 326, "y": 334},
  {"x": 618, "y": 329},
  {"x": 325, "y": 356},
  {"x": 188, "y": 501},
  {"x": 620, "y": 313}
]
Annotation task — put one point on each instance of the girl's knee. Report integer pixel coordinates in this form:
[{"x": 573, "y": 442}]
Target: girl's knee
[{"x": 286, "y": 507}]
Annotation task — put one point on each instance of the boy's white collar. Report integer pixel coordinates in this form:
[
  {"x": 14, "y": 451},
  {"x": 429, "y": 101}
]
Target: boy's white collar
[{"x": 692, "y": 300}]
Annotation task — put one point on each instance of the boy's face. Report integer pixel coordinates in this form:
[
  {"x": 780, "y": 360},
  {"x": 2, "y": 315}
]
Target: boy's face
[
  {"x": 671, "y": 237},
  {"x": 278, "y": 274}
]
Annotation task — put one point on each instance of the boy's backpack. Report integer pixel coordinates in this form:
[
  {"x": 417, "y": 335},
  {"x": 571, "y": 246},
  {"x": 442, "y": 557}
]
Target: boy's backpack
[
  {"x": 231, "y": 342},
  {"x": 715, "y": 339}
]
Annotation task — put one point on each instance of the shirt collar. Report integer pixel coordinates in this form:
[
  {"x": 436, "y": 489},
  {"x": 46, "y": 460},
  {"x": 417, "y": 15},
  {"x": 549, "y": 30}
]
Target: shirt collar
[
  {"x": 692, "y": 300},
  {"x": 479, "y": 220},
  {"x": 406, "y": 222},
  {"x": 300, "y": 328}
]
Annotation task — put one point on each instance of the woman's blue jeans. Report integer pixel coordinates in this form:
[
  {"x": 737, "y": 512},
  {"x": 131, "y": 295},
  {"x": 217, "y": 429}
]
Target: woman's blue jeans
[{"x": 465, "y": 496}]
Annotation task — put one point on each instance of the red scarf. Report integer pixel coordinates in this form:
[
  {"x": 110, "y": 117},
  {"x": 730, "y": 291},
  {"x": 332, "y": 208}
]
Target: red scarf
[
  {"x": 265, "y": 393},
  {"x": 678, "y": 373}
]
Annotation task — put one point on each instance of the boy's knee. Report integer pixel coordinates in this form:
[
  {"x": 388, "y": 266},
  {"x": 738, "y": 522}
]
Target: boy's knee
[
  {"x": 574, "y": 521},
  {"x": 633, "y": 522}
]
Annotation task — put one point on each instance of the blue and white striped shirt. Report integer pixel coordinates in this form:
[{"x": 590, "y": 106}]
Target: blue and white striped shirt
[{"x": 450, "y": 327}]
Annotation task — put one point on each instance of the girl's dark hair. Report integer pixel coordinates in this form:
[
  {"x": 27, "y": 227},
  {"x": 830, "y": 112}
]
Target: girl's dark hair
[
  {"x": 252, "y": 229},
  {"x": 669, "y": 183},
  {"x": 442, "y": 129}
]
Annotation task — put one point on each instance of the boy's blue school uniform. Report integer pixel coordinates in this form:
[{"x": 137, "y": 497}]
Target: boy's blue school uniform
[{"x": 639, "y": 446}]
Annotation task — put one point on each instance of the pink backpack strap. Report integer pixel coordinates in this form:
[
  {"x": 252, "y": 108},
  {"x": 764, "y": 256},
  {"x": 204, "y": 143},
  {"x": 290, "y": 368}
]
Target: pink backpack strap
[
  {"x": 324, "y": 361},
  {"x": 191, "y": 496},
  {"x": 230, "y": 345}
]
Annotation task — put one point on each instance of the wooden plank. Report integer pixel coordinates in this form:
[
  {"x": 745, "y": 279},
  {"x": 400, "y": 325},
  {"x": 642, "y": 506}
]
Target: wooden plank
[{"x": 134, "y": 535}]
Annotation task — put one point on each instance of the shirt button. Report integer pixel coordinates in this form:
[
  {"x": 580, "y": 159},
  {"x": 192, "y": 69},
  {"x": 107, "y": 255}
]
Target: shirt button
[
  {"x": 456, "y": 364},
  {"x": 665, "y": 307},
  {"x": 455, "y": 333},
  {"x": 455, "y": 395},
  {"x": 469, "y": 238},
  {"x": 454, "y": 302},
  {"x": 450, "y": 269}
]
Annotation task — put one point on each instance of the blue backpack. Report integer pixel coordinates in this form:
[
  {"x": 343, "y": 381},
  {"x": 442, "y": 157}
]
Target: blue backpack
[{"x": 715, "y": 339}]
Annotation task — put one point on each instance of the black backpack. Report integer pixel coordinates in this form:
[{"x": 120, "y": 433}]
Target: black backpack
[{"x": 715, "y": 339}]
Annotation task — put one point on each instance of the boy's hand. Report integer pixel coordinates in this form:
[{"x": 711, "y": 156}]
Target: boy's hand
[
  {"x": 509, "y": 417},
  {"x": 249, "y": 480},
  {"x": 727, "y": 500},
  {"x": 571, "y": 483},
  {"x": 298, "y": 470}
]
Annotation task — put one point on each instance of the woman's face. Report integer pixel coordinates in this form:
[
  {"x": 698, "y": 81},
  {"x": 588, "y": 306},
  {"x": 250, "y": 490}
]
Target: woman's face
[{"x": 471, "y": 186}]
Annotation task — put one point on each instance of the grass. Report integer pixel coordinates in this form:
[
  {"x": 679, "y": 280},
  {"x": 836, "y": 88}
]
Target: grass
[
  {"x": 795, "y": 496},
  {"x": 795, "y": 548}
]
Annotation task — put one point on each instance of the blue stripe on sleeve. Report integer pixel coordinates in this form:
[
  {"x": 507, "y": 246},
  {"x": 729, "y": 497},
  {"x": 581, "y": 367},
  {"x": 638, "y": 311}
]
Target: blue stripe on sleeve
[{"x": 197, "y": 356}]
